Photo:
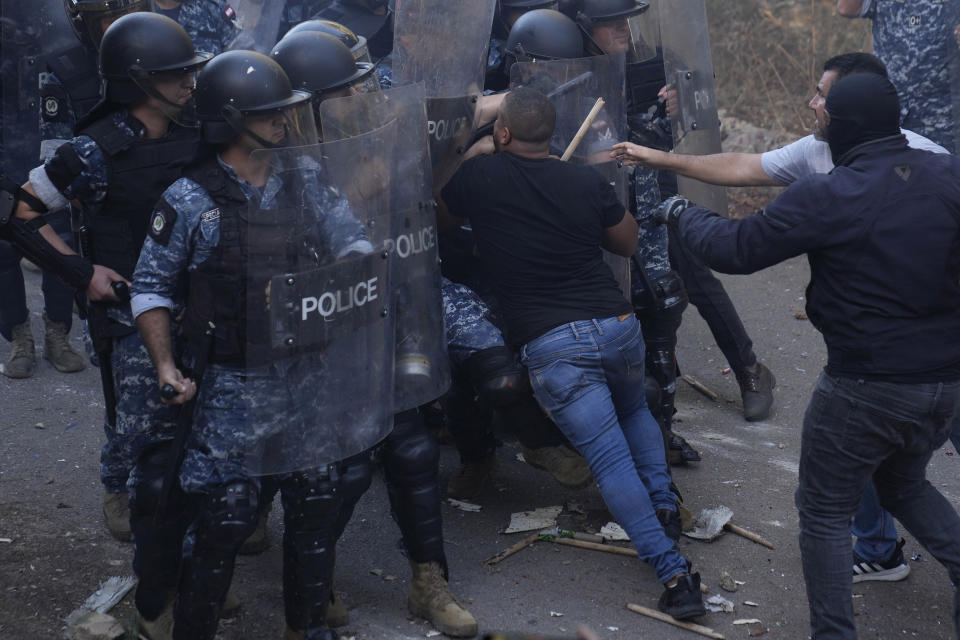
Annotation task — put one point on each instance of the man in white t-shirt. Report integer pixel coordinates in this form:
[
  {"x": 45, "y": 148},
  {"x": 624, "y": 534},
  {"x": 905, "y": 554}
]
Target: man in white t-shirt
[{"x": 878, "y": 555}]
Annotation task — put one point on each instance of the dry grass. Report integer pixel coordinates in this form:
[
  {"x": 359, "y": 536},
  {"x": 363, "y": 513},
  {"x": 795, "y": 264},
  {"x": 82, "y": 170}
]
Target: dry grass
[{"x": 768, "y": 56}]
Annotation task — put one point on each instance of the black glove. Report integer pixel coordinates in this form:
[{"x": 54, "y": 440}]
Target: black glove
[{"x": 670, "y": 209}]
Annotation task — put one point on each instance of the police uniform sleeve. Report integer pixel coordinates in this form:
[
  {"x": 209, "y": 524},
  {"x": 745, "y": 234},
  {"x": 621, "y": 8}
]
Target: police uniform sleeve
[
  {"x": 56, "y": 115},
  {"x": 175, "y": 235},
  {"x": 799, "y": 220},
  {"x": 77, "y": 171}
]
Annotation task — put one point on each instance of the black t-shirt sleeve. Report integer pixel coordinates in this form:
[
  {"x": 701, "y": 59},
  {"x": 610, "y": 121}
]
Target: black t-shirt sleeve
[{"x": 611, "y": 209}]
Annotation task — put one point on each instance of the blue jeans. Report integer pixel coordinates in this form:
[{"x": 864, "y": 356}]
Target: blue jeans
[
  {"x": 588, "y": 377},
  {"x": 854, "y": 430}
]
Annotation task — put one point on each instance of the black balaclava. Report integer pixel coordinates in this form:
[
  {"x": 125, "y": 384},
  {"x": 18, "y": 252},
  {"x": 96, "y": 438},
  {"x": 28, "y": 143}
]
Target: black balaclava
[{"x": 862, "y": 107}]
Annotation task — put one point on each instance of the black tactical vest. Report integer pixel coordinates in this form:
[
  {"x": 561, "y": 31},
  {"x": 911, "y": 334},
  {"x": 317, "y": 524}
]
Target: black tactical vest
[
  {"x": 138, "y": 170},
  {"x": 76, "y": 69},
  {"x": 230, "y": 288}
]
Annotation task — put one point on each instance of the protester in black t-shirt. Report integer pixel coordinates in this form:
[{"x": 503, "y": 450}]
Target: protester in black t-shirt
[{"x": 540, "y": 224}]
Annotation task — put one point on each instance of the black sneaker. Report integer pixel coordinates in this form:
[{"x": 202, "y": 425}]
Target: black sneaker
[
  {"x": 670, "y": 519},
  {"x": 756, "y": 388},
  {"x": 683, "y": 601},
  {"x": 890, "y": 570}
]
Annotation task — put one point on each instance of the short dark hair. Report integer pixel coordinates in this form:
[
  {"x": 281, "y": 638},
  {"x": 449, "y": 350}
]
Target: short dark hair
[
  {"x": 529, "y": 115},
  {"x": 856, "y": 62}
]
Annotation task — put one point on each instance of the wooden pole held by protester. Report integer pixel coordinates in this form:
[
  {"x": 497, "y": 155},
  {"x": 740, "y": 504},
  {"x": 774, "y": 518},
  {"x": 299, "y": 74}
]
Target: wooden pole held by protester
[{"x": 583, "y": 130}]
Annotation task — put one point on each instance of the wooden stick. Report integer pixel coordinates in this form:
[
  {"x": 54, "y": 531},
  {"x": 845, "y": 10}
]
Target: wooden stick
[
  {"x": 662, "y": 617},
  {"x": 749, "y": 535},
  {"x": 583, "y": 130},
  {"x": 702, "y": 388},
  {"x": 506, "y": 553},
  {"x": 607, "y": 548}
]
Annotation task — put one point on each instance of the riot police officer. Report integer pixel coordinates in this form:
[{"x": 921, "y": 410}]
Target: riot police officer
[
  {"x": 226, "y": 228},
  {"x": 211, "y": 24},
  {"x": 606, "y": 30},
  {"x": 322, "y": 64},
  {"x": 508, "y": 12},
  {"x": 129, "y": 149},
  {"x": 356, "y": 44}
]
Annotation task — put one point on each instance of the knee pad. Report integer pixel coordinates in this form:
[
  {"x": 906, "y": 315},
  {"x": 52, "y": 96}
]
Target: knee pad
[
  {"x": 228, "y": 515},
  {"x": 311, "y": 500},
  {"x": 497, "y": 376}
]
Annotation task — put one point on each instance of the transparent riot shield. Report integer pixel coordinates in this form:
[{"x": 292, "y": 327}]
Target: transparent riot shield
[
  {"x": 691, "y": 104},
  {"x": 573, "y": 87},
  {"x": 30, "y": 31},
  {"x": 260, "y": 21},
  {"x": 319, "y": 332},
  {"x": 422, "y": 366},
  {"x": 443, "y": 44}
]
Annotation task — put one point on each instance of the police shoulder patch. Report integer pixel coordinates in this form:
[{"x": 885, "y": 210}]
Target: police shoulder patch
[{"x": 161, "y": 223}]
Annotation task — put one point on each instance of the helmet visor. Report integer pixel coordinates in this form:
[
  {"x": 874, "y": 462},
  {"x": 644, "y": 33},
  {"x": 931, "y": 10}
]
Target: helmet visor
[
  {"x": 172, "y": 90},
  {"x": 291, "y": 126},
  {"x": 635, "y": 36}
]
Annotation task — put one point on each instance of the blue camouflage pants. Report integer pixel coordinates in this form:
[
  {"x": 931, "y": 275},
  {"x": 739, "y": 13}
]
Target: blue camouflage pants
[{"x": 142, "y": 419}]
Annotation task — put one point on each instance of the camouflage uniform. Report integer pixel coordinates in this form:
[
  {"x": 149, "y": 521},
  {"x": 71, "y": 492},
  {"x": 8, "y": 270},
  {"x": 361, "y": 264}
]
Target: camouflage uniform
[
  {"x": 916, "y": 40},
  {"x": 222, "y": 430},
  {"x": 140, "y": 419},
  {"x": 229, "y": 433},
  {"x": 467, "y": 322},
  {"x": 211, "y": 24}
]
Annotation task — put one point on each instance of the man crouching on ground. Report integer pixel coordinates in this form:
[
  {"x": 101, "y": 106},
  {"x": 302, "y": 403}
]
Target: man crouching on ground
[{"x": 540, "y": 224}]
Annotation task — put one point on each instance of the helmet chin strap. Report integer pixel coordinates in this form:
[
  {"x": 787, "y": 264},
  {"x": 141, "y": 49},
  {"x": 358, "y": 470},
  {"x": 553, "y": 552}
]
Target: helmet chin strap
[
  {"x": 182, "y": 114},
  {"x": 234, "y": 118}
]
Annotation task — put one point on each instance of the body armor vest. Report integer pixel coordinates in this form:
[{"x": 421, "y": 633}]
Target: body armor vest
[
  {"x": 139, "y": 170},
  {"x": 76, "y": 69},
  {"x": 230, "y": 289}
]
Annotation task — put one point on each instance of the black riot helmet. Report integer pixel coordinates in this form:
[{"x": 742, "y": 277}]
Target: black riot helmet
[
  {"x": 544, "y": 34},
  {"x": 140, "y": 50},
  {"x": 601, "y": 10},
  {"x": 89, "y": 19},
  {"x": 239, "y": 89},
  {"x": 509, "y": 11},
  {"x": 356, "y": 44},
  {"x": 615, "y": 26}
]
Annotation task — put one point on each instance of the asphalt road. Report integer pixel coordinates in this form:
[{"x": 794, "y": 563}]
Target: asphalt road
[{"x": 58, "y": 550}]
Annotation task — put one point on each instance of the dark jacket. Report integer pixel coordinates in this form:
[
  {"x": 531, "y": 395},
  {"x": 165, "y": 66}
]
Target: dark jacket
[{"x": 882, "y": 234}]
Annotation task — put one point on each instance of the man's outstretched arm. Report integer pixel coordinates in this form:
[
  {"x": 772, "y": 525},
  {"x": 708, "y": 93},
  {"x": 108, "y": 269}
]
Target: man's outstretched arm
[{"x": 725, "y": 169}]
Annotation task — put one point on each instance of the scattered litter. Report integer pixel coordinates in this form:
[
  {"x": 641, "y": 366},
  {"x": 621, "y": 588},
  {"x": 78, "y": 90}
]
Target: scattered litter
[
  {"x": 750, "y": 603},
  {"x": 718, "y": 603},
  {"x": 613, "y": 628},
  {"x": 463, "y": 506},
  {"x": 949, "y": 453},
  {"x": 556, "y": 614},
  {"x": 746, "y": 621},
  {"x": 710, "y": 523},
  {"x": 520, "y": 458},
  {"x": 376, "y": 572},
  {"x": 917, "y": 558},
  {"x": 72, "y": 425},
  {"x": 432, "y": 634},
  {"x": 781, "y": 446},
  {"x": 534, "y": 520},
  {"x": 726, "y": 370},
  {"x": 103, "y": 599},
  {"x": 389, "y": 578},
  {"x": 739, "y": 583},
  {"x": 800, "y": 370},
  {"x": 613, "y": 531},
  {"x": 727, "y": 583},
  {"x": 576, "y": 507},
  {"x": 39, "y": 425},
  {"x": 6, "y": 540},
  {"x": 800, "y": 315}
]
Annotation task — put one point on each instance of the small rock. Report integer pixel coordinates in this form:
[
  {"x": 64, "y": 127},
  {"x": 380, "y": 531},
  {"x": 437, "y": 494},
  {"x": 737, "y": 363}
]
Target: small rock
[
  {"x": 727, "y": 583},
  {"x": 96, "y": 626}
]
